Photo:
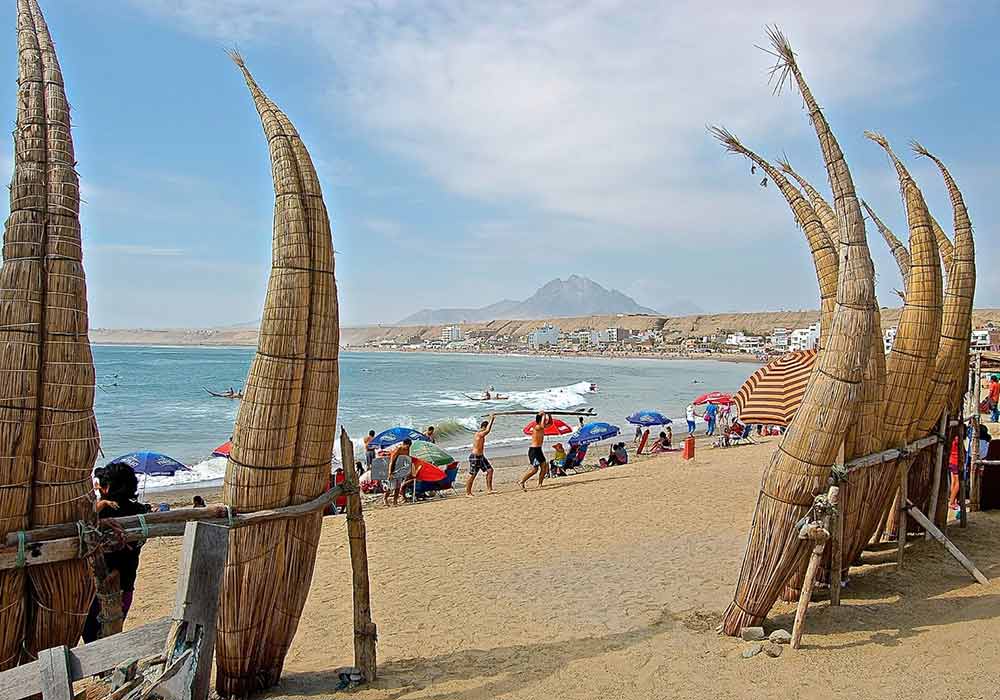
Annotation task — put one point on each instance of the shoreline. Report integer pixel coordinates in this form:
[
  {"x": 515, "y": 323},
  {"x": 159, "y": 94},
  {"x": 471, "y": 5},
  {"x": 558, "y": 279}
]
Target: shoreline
[{"x": 741, "y": 358}]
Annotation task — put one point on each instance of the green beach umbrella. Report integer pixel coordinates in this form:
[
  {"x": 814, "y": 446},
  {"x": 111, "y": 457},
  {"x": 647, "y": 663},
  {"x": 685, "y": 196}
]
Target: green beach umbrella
[{"x": 431, "y": 453}]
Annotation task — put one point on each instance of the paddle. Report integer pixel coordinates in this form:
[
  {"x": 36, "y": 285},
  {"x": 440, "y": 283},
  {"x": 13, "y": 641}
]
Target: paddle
[{"x": 585, "y": 412}]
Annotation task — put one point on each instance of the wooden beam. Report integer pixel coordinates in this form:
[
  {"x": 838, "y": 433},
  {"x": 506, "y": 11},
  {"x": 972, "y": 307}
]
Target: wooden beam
[
  {"x": 837, "y": 542},
  {"x": 948, "y": 544},
  {"x": 48, "y": 551},
  {"x": 90, "y": 659},
  {"x": 938, "y": 467},
  {"x": 126, "y": 522},
  {"x": 365, "y": 631},
  {"x": 904, "y": 477},
  {"x": 889, "y": 455},
  {"x": 53, "y": 669}
]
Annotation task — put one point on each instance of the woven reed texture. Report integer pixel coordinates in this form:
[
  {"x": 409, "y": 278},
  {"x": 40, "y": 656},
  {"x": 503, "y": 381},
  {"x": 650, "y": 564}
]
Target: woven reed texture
[
  {"x": 823, "y": 252},
  {"x": 773, "y": 393},
  {"x": 800, "y": 466},
  {"x": 48, "y": 434},
  {"x": 284, "y": 433},
  {"x": 896, "y": 247},
  {"x": 946, "y": 247},
  {"x": 953, "y": 354},
  {"x": 911, "y": 361},
  {"x": 827, "y": 216}
]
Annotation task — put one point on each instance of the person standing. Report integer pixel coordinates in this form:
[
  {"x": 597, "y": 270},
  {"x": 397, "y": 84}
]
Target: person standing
[
  {"x": 994, "y": 398},
  {"x": 691, "y": 415},
  {"x": 369, "y": 449},
  {"x": 430, "y": 434},
  {"x": 536, "y": 457},
  {"x": 638, "y": 434},
  {"x": 118, "y": 487},
  {"x": 477, "y": 458},
  {"x": 710, "y": 413},
  {"x": 396, "y": 481}
]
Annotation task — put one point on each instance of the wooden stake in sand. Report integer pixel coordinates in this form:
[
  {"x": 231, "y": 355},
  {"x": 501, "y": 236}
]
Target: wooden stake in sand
[
  {"x": 819, "y": 532},
  {"x": 365, "y": 631}
]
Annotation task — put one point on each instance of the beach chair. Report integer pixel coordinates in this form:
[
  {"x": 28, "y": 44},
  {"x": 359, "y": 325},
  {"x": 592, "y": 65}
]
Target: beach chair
[
  {"x": 741, "y": 435},
  {"x": 574, "y": 460},
  {"x": 426, "y": 488}
]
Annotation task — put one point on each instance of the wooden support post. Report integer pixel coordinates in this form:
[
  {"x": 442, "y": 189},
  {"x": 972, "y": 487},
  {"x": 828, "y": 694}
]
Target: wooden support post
[
  {"x": 190, "y": 644},
  {"x": 109, "y": 596},
  {"x": 53, "y": 669},
  {"x": 365, "y": 631},
  {"x": 974, "y": 468},
  {"x": 948, "y": 544},
  {"x": 821, "y": 536},
  {"x": 904, "y": 468},
  {"x": 837, "y": 541},
  {"x": 938, "y": 468}
]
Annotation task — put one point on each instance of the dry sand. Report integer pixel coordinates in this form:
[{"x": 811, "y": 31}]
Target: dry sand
[{"x": 610, "y": 585}]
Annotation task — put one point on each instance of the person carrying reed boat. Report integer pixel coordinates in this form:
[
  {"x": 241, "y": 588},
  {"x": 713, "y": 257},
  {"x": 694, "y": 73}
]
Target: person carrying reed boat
[
  {"x": 118, "y": 487},
  {"x": 536, "y": 457},
  {"x": 477, "y": 457},
  {"x": 395, "y": 483}
]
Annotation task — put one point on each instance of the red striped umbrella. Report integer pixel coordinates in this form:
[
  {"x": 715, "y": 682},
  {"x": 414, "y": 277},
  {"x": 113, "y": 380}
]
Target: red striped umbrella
[
  {"x": 772, "y": 394},
  {"x": 714, "y": 397}
]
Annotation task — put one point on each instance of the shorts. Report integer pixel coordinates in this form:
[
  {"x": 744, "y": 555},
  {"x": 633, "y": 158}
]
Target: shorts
[
  {"x": 478, "y": 463},
  {"x": 536, "y": 457},
  {"x": 392, "y": 484}
]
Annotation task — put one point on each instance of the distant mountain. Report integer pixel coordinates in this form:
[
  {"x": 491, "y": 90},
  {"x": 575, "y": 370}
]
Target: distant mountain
[{"x": 575, "y": 296}]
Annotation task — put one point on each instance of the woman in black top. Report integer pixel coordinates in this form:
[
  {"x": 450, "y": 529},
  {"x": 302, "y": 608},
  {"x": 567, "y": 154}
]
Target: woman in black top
[{"x": 118, "y": 487}]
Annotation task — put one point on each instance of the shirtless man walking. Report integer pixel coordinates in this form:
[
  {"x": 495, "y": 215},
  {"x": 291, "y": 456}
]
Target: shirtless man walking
[
  {"x": 536, "y": 457},
  {"x": 477, "y": 458}
]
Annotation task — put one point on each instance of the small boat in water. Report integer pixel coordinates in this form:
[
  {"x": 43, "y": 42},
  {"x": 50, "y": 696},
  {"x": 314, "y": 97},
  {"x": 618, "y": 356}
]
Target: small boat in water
[{"x": 231, "y": 394}]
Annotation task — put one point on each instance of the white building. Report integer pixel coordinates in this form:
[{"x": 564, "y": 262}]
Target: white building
[
  {"x": 804, "y": 338},
  {"x": 980, "y": 339},
  {"x": 888, "y": 338},
  {"x": 618, "y": 335},
  {"x": 543, "y": 337},
  {"x": 450, "y": 334},
  {"x": 779, "y": 339}
]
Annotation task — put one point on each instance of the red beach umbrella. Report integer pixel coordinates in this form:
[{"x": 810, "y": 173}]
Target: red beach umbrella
[
  {"x": 556, "y": 427},
  {"x": 714, "y": 397}
]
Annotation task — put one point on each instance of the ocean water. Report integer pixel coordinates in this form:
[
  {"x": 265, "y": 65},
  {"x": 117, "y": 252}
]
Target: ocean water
[{"x": 154, "y": 398}]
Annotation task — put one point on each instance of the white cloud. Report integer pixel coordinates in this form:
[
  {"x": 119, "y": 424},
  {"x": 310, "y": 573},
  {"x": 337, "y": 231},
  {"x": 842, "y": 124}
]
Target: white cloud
[{"x": 593, "y": 111}]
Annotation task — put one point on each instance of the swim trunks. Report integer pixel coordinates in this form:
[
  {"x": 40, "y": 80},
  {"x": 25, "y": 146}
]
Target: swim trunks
[
  {"x": 536, "y": 457},
  {"x": 478, "y": 463}
]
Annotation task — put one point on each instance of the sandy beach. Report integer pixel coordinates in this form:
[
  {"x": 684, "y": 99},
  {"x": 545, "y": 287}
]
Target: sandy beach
[{"x": 610, "y": 584}]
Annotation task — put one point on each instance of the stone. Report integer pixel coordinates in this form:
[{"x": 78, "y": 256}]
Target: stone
[
  {"x": 752, "y": 634},
  {"x": 773, "y": 650},
  {"x": 754, "y": 649},
  {"x": 781, "y": 637}
]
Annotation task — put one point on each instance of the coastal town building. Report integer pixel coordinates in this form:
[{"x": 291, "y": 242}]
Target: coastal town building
[
  {"x": 987, "y": 338},
  {"x": 451, "y": 334},
  {"x": 780, "y": 339},
  {"x": 804, "y": 338},
  {"x": 888, "y": 338},
  {"x": 545, "y": 336}
]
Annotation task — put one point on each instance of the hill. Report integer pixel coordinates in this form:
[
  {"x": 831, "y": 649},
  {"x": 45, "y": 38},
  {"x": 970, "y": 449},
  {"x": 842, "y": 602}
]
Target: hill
[{"x": 574, "y": 296}]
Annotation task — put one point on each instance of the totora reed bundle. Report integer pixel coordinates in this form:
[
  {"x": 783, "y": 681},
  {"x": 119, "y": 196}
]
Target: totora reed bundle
[
  {"x": 801, "y": 465},
  {"x": 284, "y": 432},
  {"x": 896, "y": 247},
  {"x": 911, "y": 359},
  {"x": 48, "y": 435}
]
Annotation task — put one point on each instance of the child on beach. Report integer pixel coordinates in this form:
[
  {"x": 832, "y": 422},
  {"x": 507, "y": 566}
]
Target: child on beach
[{"x": 118, "y": 487}]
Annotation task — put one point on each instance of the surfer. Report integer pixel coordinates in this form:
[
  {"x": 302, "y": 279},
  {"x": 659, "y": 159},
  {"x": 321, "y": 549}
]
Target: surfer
[
  {"x": 477, "y": 458},
  {"x": 536, "y": 457},
  {"x": 395, "y": 483}
]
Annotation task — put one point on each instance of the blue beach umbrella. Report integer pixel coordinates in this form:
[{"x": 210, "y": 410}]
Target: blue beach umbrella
[
  {"x": 648, "y": 418},
  {"x": 391, "y": 436},
  {"x": 151, "y": 463},
  {"x": 594, "y": 432}
]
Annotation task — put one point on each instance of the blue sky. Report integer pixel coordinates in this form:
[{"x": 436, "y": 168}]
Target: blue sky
[{"x": 473, "y": 151}]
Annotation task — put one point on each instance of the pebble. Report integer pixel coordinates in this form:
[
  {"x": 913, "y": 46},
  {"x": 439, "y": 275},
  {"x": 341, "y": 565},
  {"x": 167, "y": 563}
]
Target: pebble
[
  {"x": 773, "y": 650},
  {"x": 781, "y": 637},
  {"x": 754, "y": 649},
  {"x": 752, "y": 634}
]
